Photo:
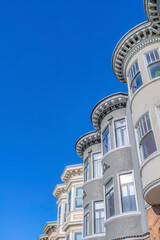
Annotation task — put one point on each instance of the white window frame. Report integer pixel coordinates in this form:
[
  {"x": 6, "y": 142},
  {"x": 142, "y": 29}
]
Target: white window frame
[
  {"x": 111, "y": 179},
  {"x": 114, "y": 130},
  {"x": 131, "y": 76},
  {"x": 120, "y": 194},
  {"x": 104, "y": 130},
  {"x": 78, "y": 197},
  {"x": 98, "y": 160},
  {"x": 140, "y": 139},
  {"x": 85, "y": 233},
  {"x": 158, "y": 113},
  {"x": 94, "y": 211},
  {"x": 152, "y": 61}
]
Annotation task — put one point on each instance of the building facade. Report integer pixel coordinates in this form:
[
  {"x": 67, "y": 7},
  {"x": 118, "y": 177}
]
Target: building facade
[{"x": 70, "y": 209}]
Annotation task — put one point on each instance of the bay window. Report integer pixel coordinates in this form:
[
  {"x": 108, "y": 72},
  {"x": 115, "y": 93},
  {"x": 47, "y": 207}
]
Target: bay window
[
  {"x": 109, "y": 199},
  {"x": 134, "y": 76},
  {"x": 99, "y": 217},
  {"x": 127, "y": 192},
  {"x": 97, "y": 166},
  {"x": 153, "y": 61},
  {"x": 86, "y": 221},
  {"x": 121, "y": 133},
  {"x": 106, "y": 141},
  {"x": 146, "y": 139},
  {"x": 78, "y": 199}
]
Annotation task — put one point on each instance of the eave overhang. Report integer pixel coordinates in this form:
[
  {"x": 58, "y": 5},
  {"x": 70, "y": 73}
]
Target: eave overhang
[
  {"x": 135, "y": 36},
  {"x": 86, "y": 141},
  {"x": 106, "y": 106}
]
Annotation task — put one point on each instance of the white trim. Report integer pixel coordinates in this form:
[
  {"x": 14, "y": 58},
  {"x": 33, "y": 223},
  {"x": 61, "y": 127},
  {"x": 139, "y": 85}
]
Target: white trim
[
  {"x": 94, "y": 236},
  {"x": 158, "y": 113},
  {"x": 119, "y": 186}
]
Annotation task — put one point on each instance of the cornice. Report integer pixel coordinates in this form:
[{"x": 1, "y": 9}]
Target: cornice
[
  {"x": 71, "y": 170},
  {"x": 43, "y": 237},
  {"x": 106, "y": 106},
  {"x": 86, "y": 141},
  {"x": 50, "y": 226},
  {"x": 60, "y": 188},
  {"x": 135, "y": 36}
]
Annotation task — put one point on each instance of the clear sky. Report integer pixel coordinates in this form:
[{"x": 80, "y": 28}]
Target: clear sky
[{"x": 55, "y": 65}]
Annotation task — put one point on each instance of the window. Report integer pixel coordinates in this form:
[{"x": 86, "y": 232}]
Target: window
[
  {"x": 69, "y": 201},
  {"x": 106, "y": 141},
  {"x": 127, "y": 193},
  {"x": 99, "y": 217},
  {"x": 68, "y": 237},
  {"x": 86, "y": 221},
  {"x": 59, "y": 215},
  {"x": 121, "y": 133},
  {"x": 109, "y": 198},
  {"x": 78, "y": 236},
  {"x": 97, "y": 166},
  {"x": 65, "y": 212},
  {"x": 86, "y": 170},
  {"x": 146, "y": 139},
  {"x": 78, "y": 199},
  {"x": 134, "y": 76},
  {"x": 158, "y": 110},
  {"x": 153, "y": 61}
]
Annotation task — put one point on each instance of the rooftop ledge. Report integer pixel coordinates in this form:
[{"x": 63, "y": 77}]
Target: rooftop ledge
[{"x": 149, "y": 30}]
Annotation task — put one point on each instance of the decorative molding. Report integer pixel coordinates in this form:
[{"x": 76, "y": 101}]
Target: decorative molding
[
  {"x": 136, "y": 49},
  {"x": 86, "y": 141},
  {"x": 135, "y": 36},
  {"x": 84, "y": 194},
  {"x": 105, "y": 167},
  {"x": 106, "y": 106}
]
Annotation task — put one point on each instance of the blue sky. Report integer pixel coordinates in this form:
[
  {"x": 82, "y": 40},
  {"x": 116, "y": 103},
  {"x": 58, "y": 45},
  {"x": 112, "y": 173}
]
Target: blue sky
[{"x": 55, "y": 65}]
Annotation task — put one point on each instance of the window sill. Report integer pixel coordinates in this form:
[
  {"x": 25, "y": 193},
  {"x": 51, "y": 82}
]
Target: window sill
[{"x": 96, "y": 235}]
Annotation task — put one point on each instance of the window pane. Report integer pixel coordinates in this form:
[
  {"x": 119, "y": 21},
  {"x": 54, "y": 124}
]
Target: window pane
[
  {"x": 99, "y": 217},
  {"x": 109, "y": 198},
  {"x": 79, "y": 192},
  {"x": 97, "y": 166},
  {"x": 86, "y": 170},
  {"x": 121, "y": 133},
  {"x": 106, "y": 141},
  {"x": 86, "y": 221},
  {"x": 127, "y": 193},
  {"x": 155, "y": 70},
  {"x": 148, "y": 145},
  {"x": 78, "y": 236},
  {"x": 137, "y": 83}
]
